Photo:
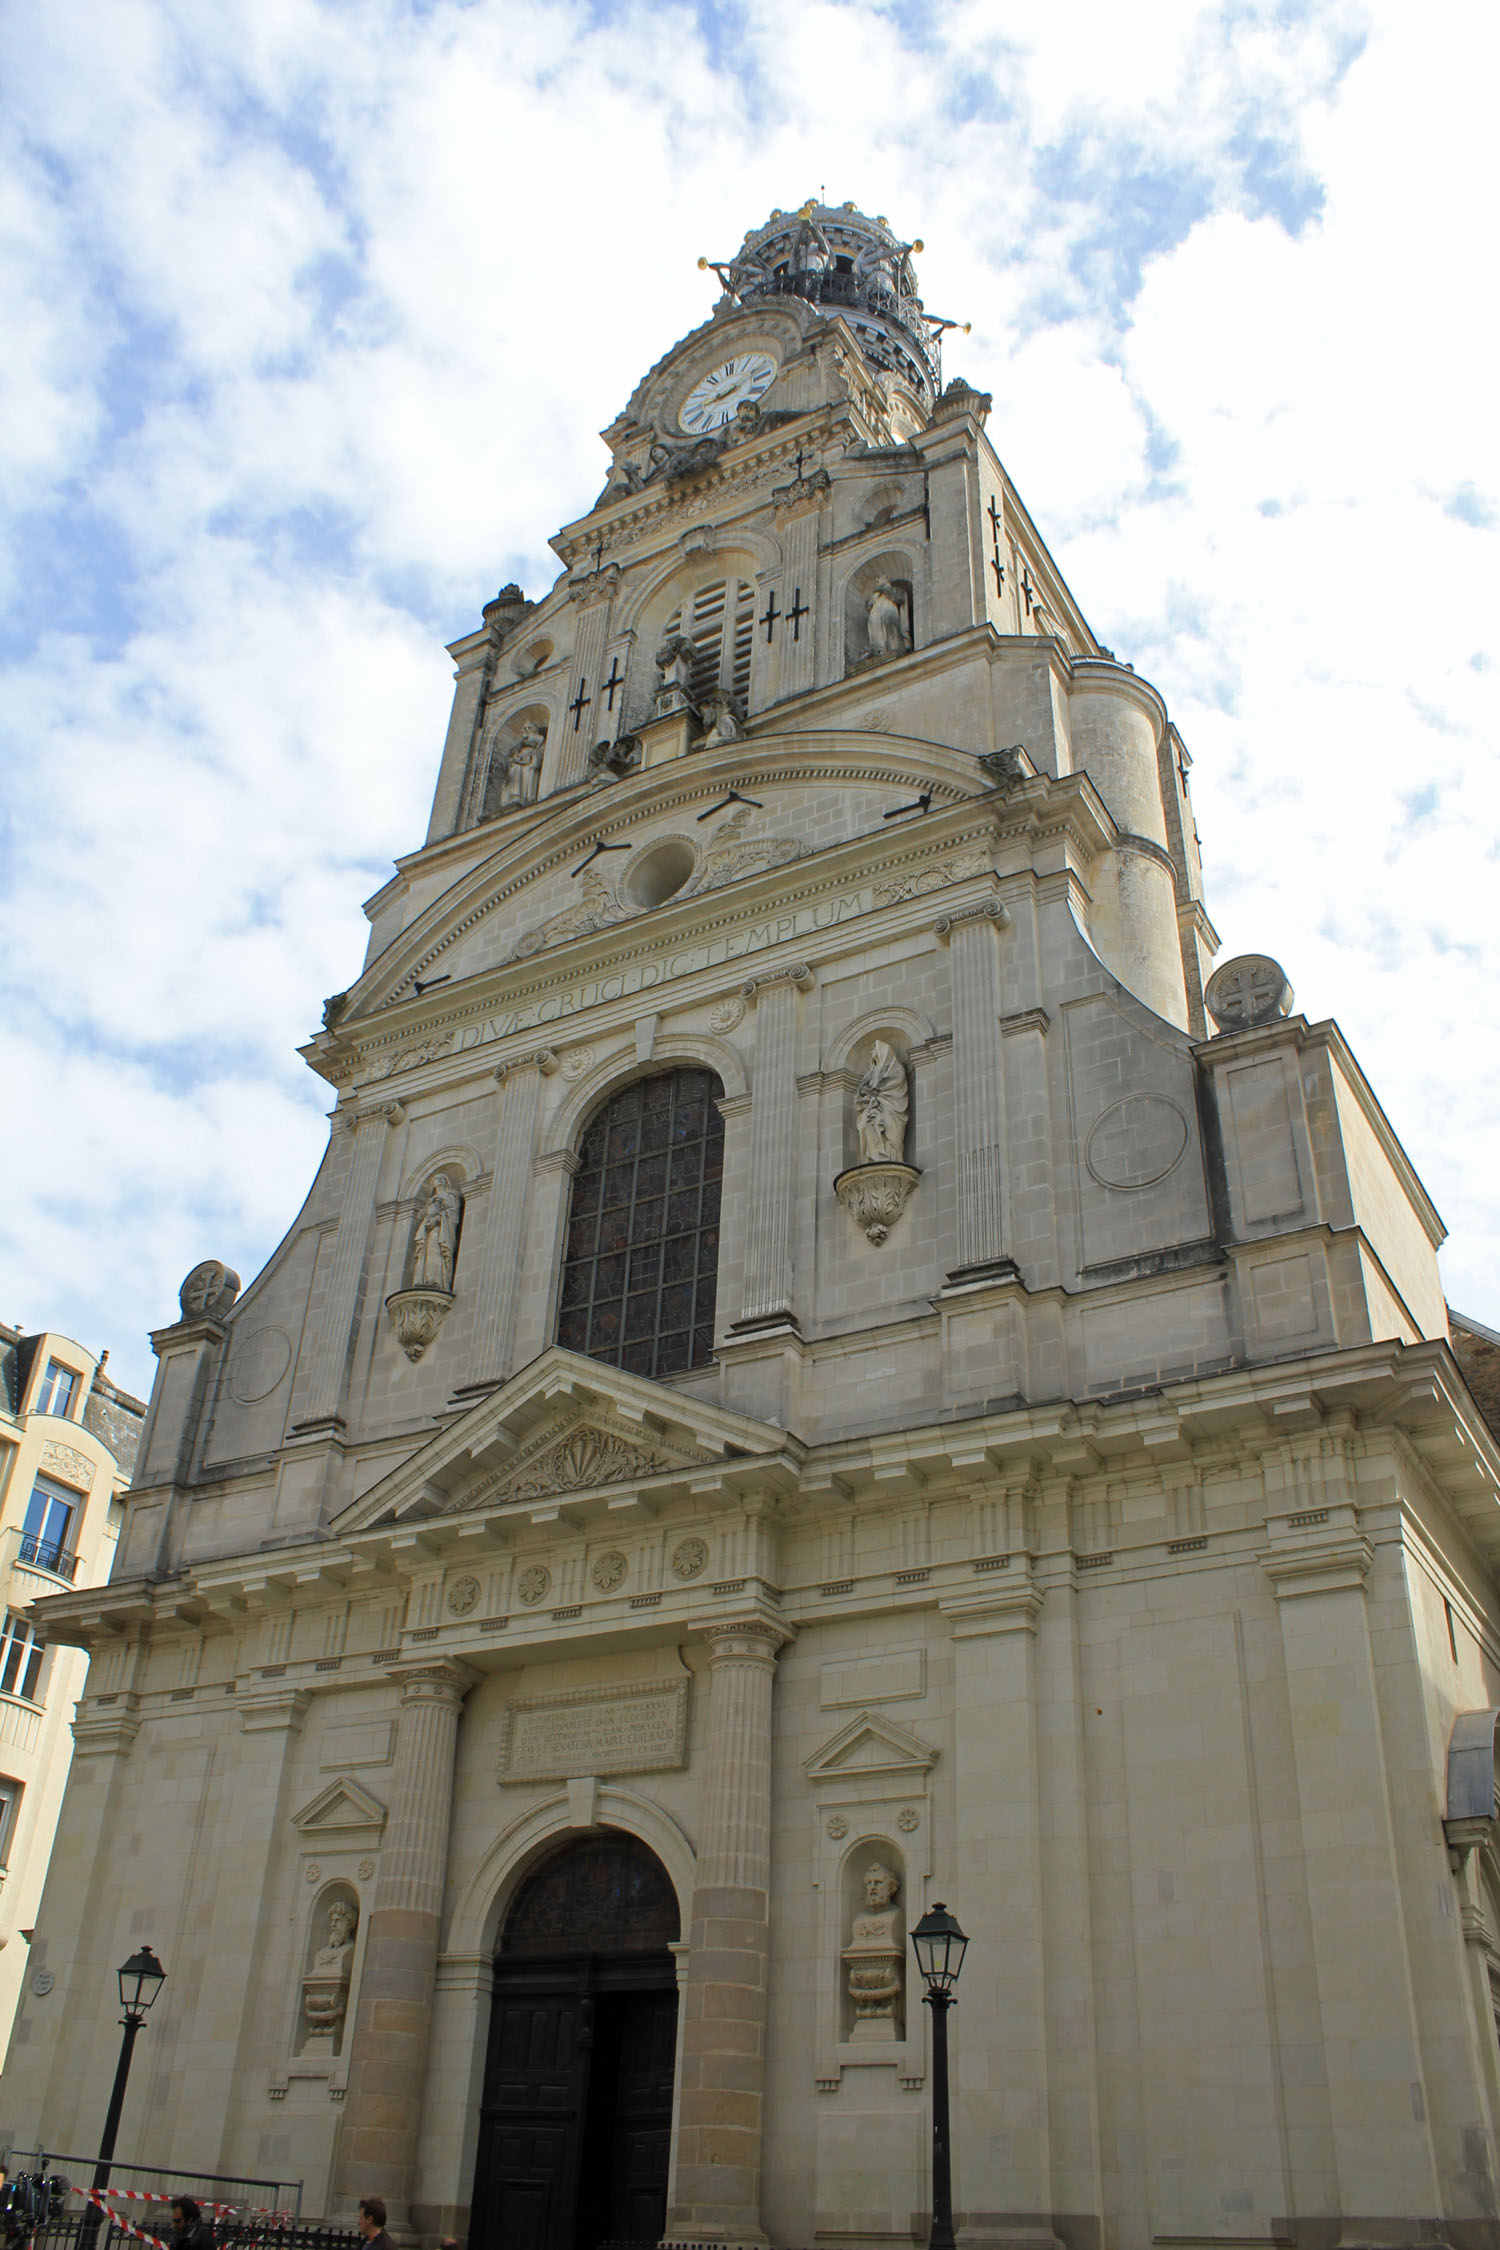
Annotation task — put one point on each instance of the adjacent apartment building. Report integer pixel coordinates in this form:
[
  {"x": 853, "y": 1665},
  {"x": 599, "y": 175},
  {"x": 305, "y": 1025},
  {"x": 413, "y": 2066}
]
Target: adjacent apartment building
[{"x": 67, "y": 1446}]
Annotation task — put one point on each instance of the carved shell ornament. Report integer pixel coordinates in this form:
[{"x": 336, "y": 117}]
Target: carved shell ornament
[
  {"x": 533, "y": 1585},
  {"x": 583, "y": 1457}
]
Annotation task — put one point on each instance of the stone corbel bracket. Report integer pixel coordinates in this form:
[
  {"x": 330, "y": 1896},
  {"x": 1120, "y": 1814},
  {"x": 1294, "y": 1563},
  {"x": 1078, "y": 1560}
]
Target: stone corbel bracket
[
  {"x": 875, "y": 1195},
  {"x": 417, "y": 1315}
]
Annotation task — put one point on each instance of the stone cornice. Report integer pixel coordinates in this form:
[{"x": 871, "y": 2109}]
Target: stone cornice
[{"x": 1410, "y": 1396}]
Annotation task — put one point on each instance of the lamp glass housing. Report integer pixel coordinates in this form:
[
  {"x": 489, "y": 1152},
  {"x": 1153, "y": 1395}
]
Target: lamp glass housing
[
  {"x": 141, "y": 1979},
  {"x": 940, "y": 1946}
]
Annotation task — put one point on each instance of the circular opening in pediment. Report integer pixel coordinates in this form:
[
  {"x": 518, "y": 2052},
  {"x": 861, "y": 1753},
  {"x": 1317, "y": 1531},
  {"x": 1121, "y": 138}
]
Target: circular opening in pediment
[{"x": 659, "y": 872}]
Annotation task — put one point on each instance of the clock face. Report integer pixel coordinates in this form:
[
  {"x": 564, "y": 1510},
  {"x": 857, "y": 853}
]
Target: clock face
[{"x": 712, "y": 402}]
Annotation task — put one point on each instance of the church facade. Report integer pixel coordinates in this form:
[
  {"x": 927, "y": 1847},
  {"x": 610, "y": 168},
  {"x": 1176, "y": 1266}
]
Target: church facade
[{"x": 831, "y": 1363}]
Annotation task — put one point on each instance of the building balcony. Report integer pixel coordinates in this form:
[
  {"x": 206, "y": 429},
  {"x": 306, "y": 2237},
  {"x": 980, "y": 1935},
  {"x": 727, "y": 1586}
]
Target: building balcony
[
  {"x": 49, "y": 1555},
  {"x": 45, "y": 1563}
]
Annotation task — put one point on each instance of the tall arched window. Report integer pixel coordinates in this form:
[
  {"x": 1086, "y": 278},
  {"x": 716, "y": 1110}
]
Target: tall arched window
[{"x": 642, "y": 1257}]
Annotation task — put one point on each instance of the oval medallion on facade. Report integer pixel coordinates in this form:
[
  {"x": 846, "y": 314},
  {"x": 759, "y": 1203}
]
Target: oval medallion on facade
[{"x": 1136, "y": 1142}]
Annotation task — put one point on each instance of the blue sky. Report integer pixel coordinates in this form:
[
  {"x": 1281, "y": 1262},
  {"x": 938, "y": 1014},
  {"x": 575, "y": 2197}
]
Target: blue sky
[{"x": 313, "y": 312}]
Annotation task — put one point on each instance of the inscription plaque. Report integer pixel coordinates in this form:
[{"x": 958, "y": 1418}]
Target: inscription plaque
[{"x": 635, "y": 1729}]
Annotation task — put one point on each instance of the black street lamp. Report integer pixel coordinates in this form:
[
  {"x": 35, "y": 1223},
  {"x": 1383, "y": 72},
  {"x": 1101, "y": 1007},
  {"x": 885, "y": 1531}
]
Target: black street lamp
[
  {"x": 141, "y": 1979},
  {"x": 940, "y": 1945}
]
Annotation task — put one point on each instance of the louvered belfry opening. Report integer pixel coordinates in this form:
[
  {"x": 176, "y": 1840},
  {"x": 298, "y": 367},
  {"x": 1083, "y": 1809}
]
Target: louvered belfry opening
[
  {"x": 719, "y": 620},
  {"x": 641, "y": 1262}
]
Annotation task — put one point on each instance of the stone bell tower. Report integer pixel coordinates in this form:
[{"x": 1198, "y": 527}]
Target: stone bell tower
[{"x": 829, "y": 1363}]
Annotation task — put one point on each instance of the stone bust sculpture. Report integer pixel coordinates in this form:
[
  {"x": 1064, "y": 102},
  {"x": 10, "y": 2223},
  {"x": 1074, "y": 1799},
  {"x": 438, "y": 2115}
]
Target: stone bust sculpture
[
  {"x": 874, "y": 1957},
  {"x": 434, "y": 1243},
  {"x": 884, "y": 622},
  {"x": 325, "y": 1988},
  {"x": 881, "y": 1101}
]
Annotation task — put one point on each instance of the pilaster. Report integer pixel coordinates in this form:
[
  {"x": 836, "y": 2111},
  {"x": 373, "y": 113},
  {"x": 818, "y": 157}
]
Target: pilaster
[
  {"x": 1319, "y": 1564},
  {"x": 388, "y": 2054},
  {"x": 493, "y": 1335},
  {"x": 336, "y": 1316},
  {"x": 248, "y": 1836},
  {"x": 1000, "y": 2139},
  {"x": 773, "y": 1112},
  {"x": 971, "y": 934},
  {"x": 580, "y": 726},
  {"x": 717, "y": 2160}
]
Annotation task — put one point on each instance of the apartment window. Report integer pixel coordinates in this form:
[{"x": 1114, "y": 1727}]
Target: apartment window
[
  {"x": 58, "y": 1385},
  {"x": 46, "y": 1533},
  {"x": 21, "y": 1656},
  {"x": 10, "y": 1808}
]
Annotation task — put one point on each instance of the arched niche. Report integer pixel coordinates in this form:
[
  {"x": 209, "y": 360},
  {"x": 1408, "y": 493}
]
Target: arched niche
[
  {"x": 435, "y": 1207},
  {"x": 711, "y": 596},
  {"x": 872, "y": 1911},
  {"x": 904, "y": 1027},
  {"x": 514, "y": 755},
  {"x": 329, "y": 1955},
  {"x": 533, "y": 655},
  {"x": 893, "y": 569}
]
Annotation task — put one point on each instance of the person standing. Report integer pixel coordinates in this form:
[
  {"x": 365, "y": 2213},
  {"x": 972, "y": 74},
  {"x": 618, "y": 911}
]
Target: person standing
[{"x": 371, "y": 2222}]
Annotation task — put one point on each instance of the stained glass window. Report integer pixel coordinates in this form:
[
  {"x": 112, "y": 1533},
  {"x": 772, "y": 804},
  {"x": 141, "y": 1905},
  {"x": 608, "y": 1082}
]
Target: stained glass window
[{"x": 642, "y": 1253}]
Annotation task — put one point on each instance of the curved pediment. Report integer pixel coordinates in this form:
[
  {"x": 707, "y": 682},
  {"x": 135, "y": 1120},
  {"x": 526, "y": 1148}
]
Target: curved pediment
[{"x": 589, "y": 868}]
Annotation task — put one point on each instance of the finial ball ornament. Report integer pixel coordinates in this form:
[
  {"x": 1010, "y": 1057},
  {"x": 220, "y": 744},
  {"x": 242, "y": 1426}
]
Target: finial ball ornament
[{"x": 1251, "y": 989}]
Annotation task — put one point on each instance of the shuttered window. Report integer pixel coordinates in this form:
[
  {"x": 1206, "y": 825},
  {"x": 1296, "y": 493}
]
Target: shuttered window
[{"x": 719, "y": 620}]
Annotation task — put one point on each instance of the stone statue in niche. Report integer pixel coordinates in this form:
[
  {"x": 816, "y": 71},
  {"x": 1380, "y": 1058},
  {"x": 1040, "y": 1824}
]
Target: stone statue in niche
[
  {"x": 723, "y": 719},
  {"x": 884, "y": 622},
  {"x": 674, "y": 661},
  {"x": 881, "y": 1101},
  {"x": 875, "y": 1957},
  {"x": 434, "y": 1242},
  {"x": 518, "y": 771},
  {"x": 325, "y": 1988}
]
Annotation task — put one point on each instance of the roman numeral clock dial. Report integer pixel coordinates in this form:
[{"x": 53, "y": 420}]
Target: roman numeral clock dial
[{"x": 716, "y": 399}]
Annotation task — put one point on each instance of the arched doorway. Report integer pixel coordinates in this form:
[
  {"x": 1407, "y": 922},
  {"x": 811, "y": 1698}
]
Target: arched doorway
[{"x": 576, "y": 2116}]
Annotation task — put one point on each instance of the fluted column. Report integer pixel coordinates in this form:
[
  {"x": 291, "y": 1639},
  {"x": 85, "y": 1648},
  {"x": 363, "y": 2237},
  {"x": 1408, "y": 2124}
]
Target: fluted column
[
  {"x": 388, "y": 2053},
  {"x": 333, "y": 1317},
  {"x": 773, "y": 1112},
  {"x": 978, "y": 1087},
  {"x": 722, "y": 2099},
  {"x": 505, "y": 1226}
]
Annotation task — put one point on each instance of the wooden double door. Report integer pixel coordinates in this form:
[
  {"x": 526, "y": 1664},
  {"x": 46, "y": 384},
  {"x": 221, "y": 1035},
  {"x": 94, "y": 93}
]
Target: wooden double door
[{"x": 576, "y": 2118}]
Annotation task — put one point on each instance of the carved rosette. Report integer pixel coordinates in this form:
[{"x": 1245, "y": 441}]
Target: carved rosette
[
  {"x": 875, "y": 1195},
  {"x": 417, "y": 1315}
]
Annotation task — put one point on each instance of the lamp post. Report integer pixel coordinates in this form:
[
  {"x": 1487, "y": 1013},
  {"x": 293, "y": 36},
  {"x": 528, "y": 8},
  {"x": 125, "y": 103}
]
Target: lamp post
[
  {"x": 141, "y": 1979},
  {"x": 940, "y": 1945}
]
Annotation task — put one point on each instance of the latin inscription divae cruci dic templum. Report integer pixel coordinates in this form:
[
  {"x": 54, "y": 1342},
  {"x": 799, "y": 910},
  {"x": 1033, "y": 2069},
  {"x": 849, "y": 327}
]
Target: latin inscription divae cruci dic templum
[
  {"x": 641, "y": 976},
  {"x": 596, "y": 1731}
]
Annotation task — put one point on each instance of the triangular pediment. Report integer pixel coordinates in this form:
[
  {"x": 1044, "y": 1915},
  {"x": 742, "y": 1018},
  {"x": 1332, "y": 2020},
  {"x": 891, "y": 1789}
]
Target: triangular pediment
[
  {"x": 342, "y": 1808},
  {"x": 566, "y": 1427},
  {"x": 869, "y": 1744}
]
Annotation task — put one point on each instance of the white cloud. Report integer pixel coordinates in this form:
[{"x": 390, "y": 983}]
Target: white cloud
[{"x": 313, "y": 310}]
